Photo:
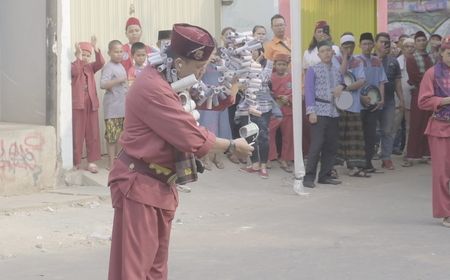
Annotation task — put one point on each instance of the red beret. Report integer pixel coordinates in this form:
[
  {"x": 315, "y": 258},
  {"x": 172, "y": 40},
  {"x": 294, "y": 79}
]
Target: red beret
[
  {"x": 281, "y": 57},
  {"x": 132, "y": 21},
  {"x": 86, "y": 46},
  {"x": 321, "y": 24},
  {"x": 445, "y": 43},
  {"x": 191, "y": 41}
]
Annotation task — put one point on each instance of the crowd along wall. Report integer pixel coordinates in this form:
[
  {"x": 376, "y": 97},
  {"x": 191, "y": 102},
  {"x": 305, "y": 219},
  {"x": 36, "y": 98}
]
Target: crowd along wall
[{"x": 106, "y": 19}]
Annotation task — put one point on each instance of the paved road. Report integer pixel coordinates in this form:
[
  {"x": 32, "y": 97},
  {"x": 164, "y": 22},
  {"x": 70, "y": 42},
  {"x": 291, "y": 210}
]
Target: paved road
[{"x": 238, "y": 226}]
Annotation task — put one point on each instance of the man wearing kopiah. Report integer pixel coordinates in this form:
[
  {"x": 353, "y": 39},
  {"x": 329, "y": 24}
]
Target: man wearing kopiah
[{"x": 143, "y": 177}]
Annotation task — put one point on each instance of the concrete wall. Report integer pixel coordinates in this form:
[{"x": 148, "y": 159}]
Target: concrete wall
[
  {"x": 23, "y": 61},
  {"x": 27, "y": 158}
]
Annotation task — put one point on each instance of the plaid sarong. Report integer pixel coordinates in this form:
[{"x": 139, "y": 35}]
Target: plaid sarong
[
  {"x": 351, "y": 141},
  {"x": 186, "y": 168}
]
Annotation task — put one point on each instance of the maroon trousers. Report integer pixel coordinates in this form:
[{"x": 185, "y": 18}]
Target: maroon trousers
[
  {"x": 417, "y": 140},
  {"x": 440, "y": 164},
  {"x": 86, "y": 128},
  {"x": 140, "y": 241},
  {"x": 287, "y": 136}
]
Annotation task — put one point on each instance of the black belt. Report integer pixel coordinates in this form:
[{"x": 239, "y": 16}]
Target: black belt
[
  {"x": 322, "y": 100},
  {"x": 156, "y": 171}
]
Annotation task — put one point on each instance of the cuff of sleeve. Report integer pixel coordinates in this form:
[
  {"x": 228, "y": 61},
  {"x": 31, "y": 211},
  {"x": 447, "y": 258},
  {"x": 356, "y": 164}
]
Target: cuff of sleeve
[
  {"x": 310, "y": 110},
  {"x": 207, "y": 145},
  {"x": 436, "y": 104}
]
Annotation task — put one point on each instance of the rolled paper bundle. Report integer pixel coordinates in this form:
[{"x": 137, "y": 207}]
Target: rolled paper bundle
[
  {"x": 248, "y": 130},
  {"x": 255, "y": 69},
  {"x": 256, "y": 81},
  {"x": 169, "y": 62},
  {"x": 246, "y": 64},
  {"x": 215, "y": 101},
  {"x": 239, "y": 40},
  {"x": 252, "y": 90},
  {"x": 209, "y": 103},
  {"x": 221, "y": 80},
  {"x": 161, "y": 67},
  {"x": 184, "y": 83},
  {"x": 244, "y": 34},
  {"x": 254, "y": 85},
  {"x": 195, "y": 114},
  {"x": 184, "y": 98},
  {"x": 174, "y": 74},
  {"x": 192, "y": 104},
  {"x": 202, "y": 99},
  {"x": 223, "y": 95},
  {"x": 155, "y": 60},
  {"x": 256, "y": 66},
  {"x": 246, "y": 57},
  {"x": 221, "y": 68}
]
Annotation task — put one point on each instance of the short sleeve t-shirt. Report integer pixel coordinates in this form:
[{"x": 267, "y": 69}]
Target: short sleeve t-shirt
[{"x": 114, "y": 99}]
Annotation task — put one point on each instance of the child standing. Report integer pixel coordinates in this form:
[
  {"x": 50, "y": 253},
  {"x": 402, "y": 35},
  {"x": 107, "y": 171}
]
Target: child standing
[
  {"x": 282, "y": 93},
  {"x": 114, "y": 81},
  {"x": 85, "y": 104},
  {"x": 323, "y": 82},
  {"x": 139, "y": 55},
  {"x": 133, "y": 31}
]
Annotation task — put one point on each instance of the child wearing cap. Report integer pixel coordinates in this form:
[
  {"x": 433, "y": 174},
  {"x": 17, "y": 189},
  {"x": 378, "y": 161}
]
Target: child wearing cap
[
  {"x": 323, "y": 83},
  {"x": 85, "y": 103},
  {"x": 282, "y": 93},
  {"x": 133, "y": 31},
  {"x": 114, "y": 81}
]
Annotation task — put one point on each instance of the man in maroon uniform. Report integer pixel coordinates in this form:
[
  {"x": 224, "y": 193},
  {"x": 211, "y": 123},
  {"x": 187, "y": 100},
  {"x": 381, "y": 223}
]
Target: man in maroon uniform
[{"x": 143, "y": 177}]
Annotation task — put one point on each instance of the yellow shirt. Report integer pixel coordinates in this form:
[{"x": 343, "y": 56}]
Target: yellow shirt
[{"x": 276, "y": 45}]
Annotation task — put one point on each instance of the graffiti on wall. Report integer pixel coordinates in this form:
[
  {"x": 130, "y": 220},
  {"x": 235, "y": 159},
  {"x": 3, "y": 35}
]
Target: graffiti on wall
[
  {"x": 20, "y": 158},
  {"x": 410, "y": 16}
]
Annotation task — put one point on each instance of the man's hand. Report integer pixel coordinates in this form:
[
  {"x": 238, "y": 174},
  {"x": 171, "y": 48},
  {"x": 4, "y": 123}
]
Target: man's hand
[
  {"x": 243, "y": 149},
  {"x": 379, "y": 105},
  {"x": 312, "y": 118},
  {"x": 365, "y": 100},
  {"x": 338, "y": 91}
]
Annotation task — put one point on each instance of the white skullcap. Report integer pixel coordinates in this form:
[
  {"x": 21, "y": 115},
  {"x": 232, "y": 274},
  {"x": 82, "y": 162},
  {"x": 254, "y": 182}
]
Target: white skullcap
[{"x": 347, "y": 38}]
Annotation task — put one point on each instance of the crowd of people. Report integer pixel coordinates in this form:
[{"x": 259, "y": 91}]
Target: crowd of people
[{"x": 392, "y": 98}]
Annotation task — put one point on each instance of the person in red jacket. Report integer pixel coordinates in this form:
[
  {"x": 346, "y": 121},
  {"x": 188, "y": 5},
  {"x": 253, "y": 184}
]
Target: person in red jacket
[
  {"x": 133, "y": 31},
  {"x": 282, "y": 92},
  {"x": 85, "y": 104},
  {"x": 143, "y": 179},
  {"x": 434, "y": 96}
]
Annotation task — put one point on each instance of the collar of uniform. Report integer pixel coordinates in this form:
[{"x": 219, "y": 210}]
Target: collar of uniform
[{"x": 277, "y": 40}]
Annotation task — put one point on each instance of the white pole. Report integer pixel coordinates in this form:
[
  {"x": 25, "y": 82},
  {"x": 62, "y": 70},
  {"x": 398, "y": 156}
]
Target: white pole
[{"x": 299, "y": 167}]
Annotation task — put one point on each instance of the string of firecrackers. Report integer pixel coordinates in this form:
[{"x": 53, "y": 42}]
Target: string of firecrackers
[{"x": 236, "y": 64}]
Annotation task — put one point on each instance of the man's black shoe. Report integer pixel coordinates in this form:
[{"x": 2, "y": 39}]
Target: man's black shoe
[
  {"x": 329, "y": 181},
  {"x": 309, "y": 184}
]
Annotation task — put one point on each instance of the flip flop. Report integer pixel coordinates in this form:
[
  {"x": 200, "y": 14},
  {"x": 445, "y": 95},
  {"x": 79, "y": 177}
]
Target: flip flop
[
  {"x": 359, "y": 173},
  {"x": 288, "y": 169},
  {"x": 92, "y": 167}
]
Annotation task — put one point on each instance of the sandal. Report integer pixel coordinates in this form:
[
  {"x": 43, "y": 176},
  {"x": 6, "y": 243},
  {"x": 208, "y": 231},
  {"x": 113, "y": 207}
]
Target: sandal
[
  {"x": 407, "y": 163},
  {"x": 92, "y": 167},
  {"x": 333, "y": 174},
  {"x": 286, "y": 168},
  {"x": 359, "y": 173}
]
